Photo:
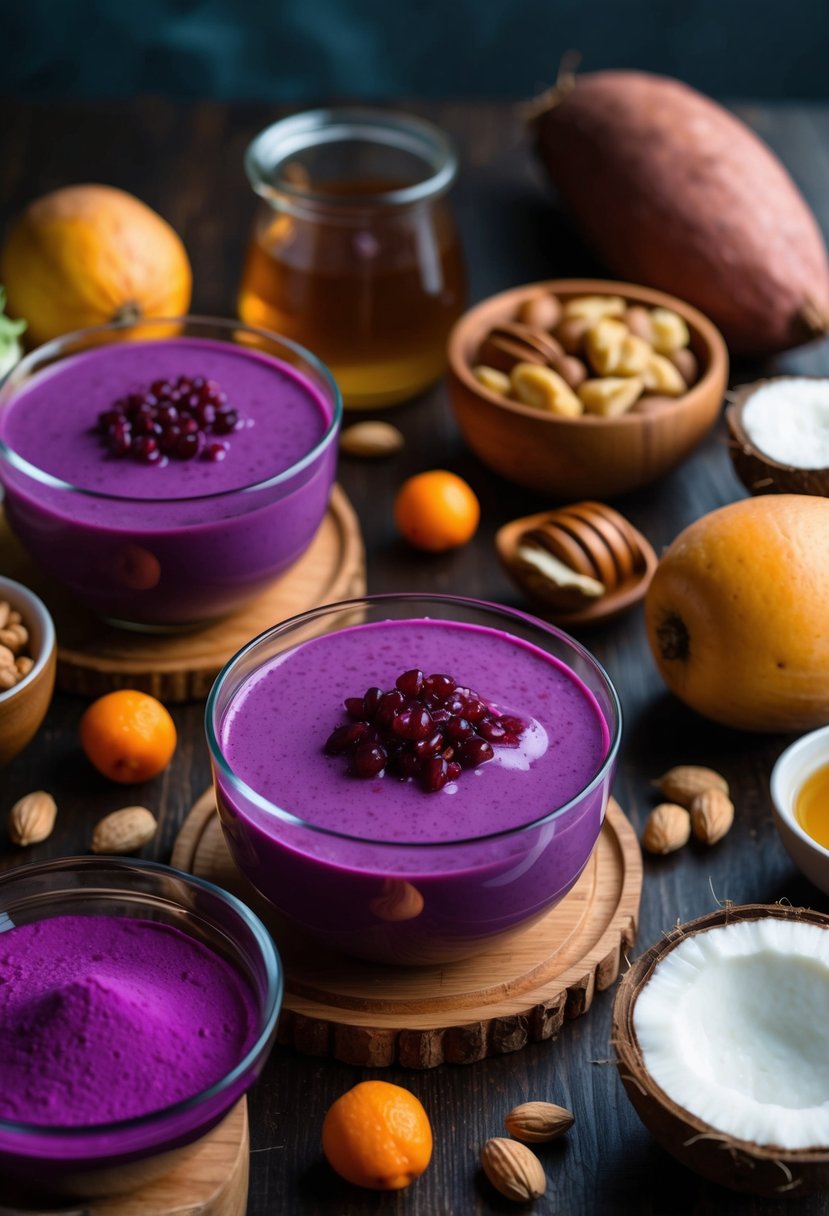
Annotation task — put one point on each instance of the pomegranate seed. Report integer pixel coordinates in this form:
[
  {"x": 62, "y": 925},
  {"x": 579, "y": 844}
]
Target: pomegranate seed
[
  {"x": 368, "y": 761},
  {"x": 415, "y": 723},
  {"x": 410, "y": 683},
  {"x": 453, "y": 769},
  {"x": 187, "y": 447},
  {"x": 475, "y": 708},
  {"x": 435, "y": 774},
  {"x": 226, "y": 421},
  {"x": 440, "y": 686},
  {"x": 146, "y": 449},
  {"x": 492, "y": 731},
  {"x": 473, "y": 752},
  {"x": 354, "y": 707},
  {"x": 371, "y": 699},
  {"x": 215, "y": 451},
  {"x": 429, "y": 746},
  {"x": 344, "y": 737},
  {"x": 457, "y": 729},
  {"x": 389, "y": 705}
]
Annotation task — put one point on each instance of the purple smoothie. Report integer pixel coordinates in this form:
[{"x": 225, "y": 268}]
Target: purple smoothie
[
  {"x": 180, "y": 543},
  {"x": 380, "y": 867}
]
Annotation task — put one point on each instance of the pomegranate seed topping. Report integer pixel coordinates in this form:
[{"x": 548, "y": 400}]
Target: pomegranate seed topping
[
  {"x": 410, "y": 683},
  {"x": 415, "y": 723},
  {"x": 473, "y": 752},
  {"x": 422, "y": 729},
  {"x": 180, "y": 418},
  {"x": 457, "y": 729},
  {"x": 440, "y": 686},
  {"x": 493, "y": 732},
  {"x": 368, "y": 761},
  {"x": 344, "y": 737}
]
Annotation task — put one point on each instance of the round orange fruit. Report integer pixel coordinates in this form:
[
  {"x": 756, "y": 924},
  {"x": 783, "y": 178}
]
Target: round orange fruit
[
  {"x": 128, "y": 735},
  {"x": 737, "y": 614},
  {"x": 436, "y": 510},
  {"x": 377, "y": 1135}
]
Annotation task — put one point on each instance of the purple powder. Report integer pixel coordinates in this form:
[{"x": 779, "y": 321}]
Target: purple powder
[{"x": 105, "y": 1018}]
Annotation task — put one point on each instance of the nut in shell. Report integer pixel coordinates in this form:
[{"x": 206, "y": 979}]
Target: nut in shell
[
  {"x": 683, "y": 782},
  {"x": 513, "y": 1169},
  {"x": 372, "y": 439},
  {"x": 32, "y": 818},
  {"x": 538, "y": 1122},
  {"x": 667, "y": 829},
  {"x": 712, "y": 814},
  {"x": 124, "y": 831}
]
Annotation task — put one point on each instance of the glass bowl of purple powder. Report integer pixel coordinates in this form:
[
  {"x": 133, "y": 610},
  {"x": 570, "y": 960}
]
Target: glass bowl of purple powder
[{"x": 137, "y": 1006}]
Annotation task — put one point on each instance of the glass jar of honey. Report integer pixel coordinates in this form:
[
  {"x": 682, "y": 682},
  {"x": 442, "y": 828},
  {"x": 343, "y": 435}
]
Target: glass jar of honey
[{"x": 354, "y": 252}]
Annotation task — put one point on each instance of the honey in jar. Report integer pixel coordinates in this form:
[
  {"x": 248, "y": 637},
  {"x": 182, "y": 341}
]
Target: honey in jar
[
  {"x": 812, "y": 806},
  {"x": 354, "y": 252}
]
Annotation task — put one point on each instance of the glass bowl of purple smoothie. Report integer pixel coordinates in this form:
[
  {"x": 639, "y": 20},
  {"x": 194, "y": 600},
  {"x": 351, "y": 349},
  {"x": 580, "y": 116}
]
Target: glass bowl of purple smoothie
[
  {"x": 164, "y": 472},
  {"x": 138, "y": 1004},
  {"x": 412, "y": 778}
]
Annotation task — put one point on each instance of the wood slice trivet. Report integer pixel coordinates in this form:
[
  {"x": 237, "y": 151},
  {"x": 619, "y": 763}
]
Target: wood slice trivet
[
  {"x": 211, "y": 1182},
  {"x": 516, "y": 993},
  {"x": 94, "y": 658}
]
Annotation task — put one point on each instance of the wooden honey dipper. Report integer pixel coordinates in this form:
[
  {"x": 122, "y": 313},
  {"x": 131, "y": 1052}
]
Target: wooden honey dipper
[{"x": 584, "y": 560}]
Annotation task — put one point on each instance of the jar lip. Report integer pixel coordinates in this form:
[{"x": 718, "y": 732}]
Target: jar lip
[{"x": 311, "y": 128}]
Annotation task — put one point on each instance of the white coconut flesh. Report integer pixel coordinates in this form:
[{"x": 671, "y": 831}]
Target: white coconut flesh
[
  {"x": 733, "y": 1025},
  {"x": 788, "y": 420}
]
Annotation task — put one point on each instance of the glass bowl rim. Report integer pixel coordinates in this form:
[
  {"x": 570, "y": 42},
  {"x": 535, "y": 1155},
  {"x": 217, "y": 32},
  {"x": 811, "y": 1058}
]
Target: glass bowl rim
[
  {"x": 271, "y": 1004},
  {"x": 329, "y": 124},
  {"x": 269, "y": 809},
  {"x": 55, "y": 347}
]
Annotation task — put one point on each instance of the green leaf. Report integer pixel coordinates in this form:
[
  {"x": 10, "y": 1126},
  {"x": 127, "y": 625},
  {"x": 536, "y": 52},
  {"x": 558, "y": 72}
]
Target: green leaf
[{"x": 10, "y": 331}]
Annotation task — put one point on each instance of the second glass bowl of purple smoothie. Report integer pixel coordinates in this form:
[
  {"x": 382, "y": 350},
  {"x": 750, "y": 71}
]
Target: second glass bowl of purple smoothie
[
  {"x": 64, "y": 1158},
  {"x": 392, "y": 865},
  {"x": 147, "y": 525}
]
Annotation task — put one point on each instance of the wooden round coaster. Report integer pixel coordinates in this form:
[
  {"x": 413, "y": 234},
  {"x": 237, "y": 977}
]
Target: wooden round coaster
[
  {"x": 94, "y": 658},
  {"x": 516, "y": 993},
  {"x": 213, "y": 1181}
]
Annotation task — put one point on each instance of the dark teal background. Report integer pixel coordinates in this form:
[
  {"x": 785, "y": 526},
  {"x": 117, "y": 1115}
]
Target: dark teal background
[{"x": 295, "y": 50}]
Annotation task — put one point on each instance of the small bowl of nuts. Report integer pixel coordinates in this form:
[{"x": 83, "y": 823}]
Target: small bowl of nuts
[
  {"x": 583, "y": 387},
  {"x": 28, "y": 657}
]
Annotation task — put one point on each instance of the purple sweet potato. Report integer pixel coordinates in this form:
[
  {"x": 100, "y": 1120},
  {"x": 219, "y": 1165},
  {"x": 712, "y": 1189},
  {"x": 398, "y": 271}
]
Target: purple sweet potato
[{"x": 673, "y": 191}]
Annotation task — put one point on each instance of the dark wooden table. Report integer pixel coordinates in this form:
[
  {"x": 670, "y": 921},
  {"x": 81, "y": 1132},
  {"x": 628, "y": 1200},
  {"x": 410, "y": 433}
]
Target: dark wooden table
[{"x": 187, "y": 163}]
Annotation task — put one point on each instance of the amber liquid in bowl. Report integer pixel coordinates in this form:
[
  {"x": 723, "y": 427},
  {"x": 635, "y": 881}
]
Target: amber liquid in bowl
[
  {"x": 375, "y": 300},
  {"x": 812, "y": 806}
]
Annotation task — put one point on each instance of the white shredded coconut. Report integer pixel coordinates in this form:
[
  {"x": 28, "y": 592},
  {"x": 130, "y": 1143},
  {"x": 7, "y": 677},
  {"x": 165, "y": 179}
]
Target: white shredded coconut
[{"x": 788, "y": 420}]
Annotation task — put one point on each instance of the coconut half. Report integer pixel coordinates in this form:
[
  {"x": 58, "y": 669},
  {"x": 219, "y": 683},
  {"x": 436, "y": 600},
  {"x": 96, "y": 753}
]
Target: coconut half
[
  {"x": 722, "y": 1044},
  {"x": 780, "y": 435}
]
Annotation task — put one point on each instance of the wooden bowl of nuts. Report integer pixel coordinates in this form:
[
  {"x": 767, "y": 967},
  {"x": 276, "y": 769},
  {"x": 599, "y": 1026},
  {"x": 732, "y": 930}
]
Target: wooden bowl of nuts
[
  {"x": 584, "y": 387},
  {"x": 28, "y": 657}
]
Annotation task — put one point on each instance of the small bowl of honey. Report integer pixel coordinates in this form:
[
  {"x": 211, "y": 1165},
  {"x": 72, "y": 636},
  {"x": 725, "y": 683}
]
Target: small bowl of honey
[{"x": 800, "y": 801}]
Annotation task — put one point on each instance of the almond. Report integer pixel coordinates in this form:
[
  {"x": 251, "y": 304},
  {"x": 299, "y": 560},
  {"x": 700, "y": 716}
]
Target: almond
[
  {"x": 712, "y": 814},
  {"x": 371, "y": 439},
  {"x": 124, "y": 831},
  {"x": 513, "y": 1169},
  {"x": 667, "y": 829},
  {"x": 32, "y": 818},
  {"x": 537, "y": 1122},
  {"x": 682, "y": 783}
]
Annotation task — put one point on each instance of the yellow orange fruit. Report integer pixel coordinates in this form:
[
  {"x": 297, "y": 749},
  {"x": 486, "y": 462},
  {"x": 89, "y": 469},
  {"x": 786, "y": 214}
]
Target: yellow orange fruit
[
  {"x": 85, "y": 255},
  {"x": 737, "y": 614},
  {"x": 377, "y": 1135},
  {"x": 128, "y": 735},
  {"x": 436, "y": 510}
]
